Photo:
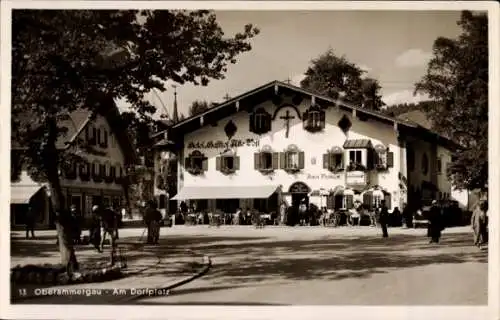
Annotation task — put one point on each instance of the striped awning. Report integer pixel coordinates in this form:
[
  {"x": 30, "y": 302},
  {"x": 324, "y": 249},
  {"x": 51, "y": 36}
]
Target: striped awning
[
  {"x": 358, "y": 144},
  {"x": 21, "y": 194},
  {"x": 225, "y": 192}
]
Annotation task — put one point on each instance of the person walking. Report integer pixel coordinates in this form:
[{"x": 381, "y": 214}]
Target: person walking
[
  {"x": 384, "y": 217},
  {"x": 152, "y": 219},
  {"x": 435, "y": 223},
  {"x": 30, "y": 222}
]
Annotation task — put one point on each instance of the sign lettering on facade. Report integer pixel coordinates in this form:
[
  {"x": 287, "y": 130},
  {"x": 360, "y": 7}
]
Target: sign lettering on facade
[
  {"x": 356, "y": 178},
  {"x": 219, "y": 144},
  {"x": 322, "y": 176}
]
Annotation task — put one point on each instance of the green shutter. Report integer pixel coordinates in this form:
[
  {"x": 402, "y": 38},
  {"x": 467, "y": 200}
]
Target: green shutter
[
  {"x": 256, "y": 161},
  {"x": 349, "y": 201},
  {"x": 326, "y": 161},
  {"x": 282, "y": 160},
  {"x": 236, "y": 163},
  {"x": 301, "y": 160},
  {"x": 204, "y": 164},
  {"x": 276, "y": 160},
  {"x": 218, "y": 163},
  {"x": 368, "y": 200},
  {"x": 390, "y": 159}
]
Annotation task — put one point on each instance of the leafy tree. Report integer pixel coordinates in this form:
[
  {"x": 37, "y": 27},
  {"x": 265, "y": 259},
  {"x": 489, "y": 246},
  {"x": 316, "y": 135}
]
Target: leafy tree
[
  {"x": 457, "y": 80},
  {"x": 198, "y": 107},
  {"x": 336, "y": 77},
  {"x": 63, "y": 60}
]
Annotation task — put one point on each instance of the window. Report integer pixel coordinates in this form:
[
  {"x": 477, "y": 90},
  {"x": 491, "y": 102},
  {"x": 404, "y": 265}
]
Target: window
[
  {"x": 85, "y": 171},
  {"x": 227, "y": 162},
  {"x": 333, "y": 160},
  {"x": 266, "y": 160},
  {"x": 292, "y": 159},
  {"x": 314, "y": 119},
  {"x": 380, "y": 158},
  {"x": 71, "y": 171},
  {"x": 90, "y": 135},
  {"x": 260, "y": 121},
  {"x": 425, "y": 164},
  {"x": 439, "y": 166},
  {"x": 355, "y": 160},
  {"x": 377, "y": 201},
  {"x": 103, "y": 140},
  {"x": 76, "y": 200},
  {"x": 196, "y": 162},
  {"x": 96, "y": 171}
]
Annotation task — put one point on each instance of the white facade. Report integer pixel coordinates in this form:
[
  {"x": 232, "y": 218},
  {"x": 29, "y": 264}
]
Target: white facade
[{"x": 396, "y": 180}]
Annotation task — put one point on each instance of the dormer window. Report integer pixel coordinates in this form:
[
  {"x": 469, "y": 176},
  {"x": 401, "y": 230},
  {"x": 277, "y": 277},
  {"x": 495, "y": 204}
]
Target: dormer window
[
  {"x": 227, "y": 162},
  {"x": 292, "y": 159},
  {"x": 196, "y": 162},
  {"x": 266, "y": 160},
  {"x": 260, "y": 121},
  {"x": 314, "y": 119},
  {"x": 333, "y": 160}
]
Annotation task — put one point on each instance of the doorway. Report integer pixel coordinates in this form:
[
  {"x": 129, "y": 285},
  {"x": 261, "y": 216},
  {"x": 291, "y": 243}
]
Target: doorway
[{"x": 300, "y": 194}]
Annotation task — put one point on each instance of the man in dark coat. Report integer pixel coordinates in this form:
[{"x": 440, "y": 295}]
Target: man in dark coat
[
  {"x": 109, "y": 225},
  {"x": 152, "y": 218},
  {"x": 383, "y": 218},
  {"x": 435, "y": 223}
]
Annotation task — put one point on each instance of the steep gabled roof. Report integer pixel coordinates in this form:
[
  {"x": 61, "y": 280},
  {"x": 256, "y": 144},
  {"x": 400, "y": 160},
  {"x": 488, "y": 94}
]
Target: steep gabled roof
[
  {"x": 78, "y": 120},
  {"x": 249, "y": 99},
  {"x": 417, "y": 117}
]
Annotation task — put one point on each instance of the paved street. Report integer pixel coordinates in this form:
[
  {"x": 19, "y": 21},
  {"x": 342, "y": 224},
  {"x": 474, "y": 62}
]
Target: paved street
[{"x": 325, "y": 266}]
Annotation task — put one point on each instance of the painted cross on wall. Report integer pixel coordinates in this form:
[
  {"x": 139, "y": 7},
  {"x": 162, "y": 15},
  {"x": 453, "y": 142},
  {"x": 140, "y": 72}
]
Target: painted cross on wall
[{"x": 287, "y": 117}]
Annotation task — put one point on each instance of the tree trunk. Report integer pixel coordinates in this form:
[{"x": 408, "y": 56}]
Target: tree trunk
[{"x": 62, "y": 219}]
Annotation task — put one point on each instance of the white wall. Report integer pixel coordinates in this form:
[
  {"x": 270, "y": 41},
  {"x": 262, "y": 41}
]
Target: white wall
[{"x": 314, "y": 146}]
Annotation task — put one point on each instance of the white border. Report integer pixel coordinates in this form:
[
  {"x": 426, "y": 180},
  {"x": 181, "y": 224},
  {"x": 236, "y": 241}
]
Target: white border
[{"x": 229, "y": 312}]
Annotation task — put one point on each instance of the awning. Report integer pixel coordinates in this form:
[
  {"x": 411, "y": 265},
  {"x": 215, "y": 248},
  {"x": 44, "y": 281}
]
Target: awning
[
  {"x": 22, "y": 194},
  {"x": 358, "y": 144},
  {"x": 226, "y": 192}
]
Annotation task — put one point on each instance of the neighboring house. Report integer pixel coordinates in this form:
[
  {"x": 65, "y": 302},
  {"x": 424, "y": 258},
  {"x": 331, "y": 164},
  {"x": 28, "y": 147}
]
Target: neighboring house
[
  {"x": 103, "y": 142},
  {"x": 280, "y": 142},
  {"x": 465, "y": 198}
]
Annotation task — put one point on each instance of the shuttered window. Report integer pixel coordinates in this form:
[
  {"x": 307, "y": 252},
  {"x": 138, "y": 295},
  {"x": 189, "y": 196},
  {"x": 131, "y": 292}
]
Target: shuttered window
[
  {"x": 266, "y": 161},
  {"x": 314, "y": 119}
]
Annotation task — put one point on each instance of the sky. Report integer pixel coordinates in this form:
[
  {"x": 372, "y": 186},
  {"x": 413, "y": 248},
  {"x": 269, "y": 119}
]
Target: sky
[{"x": 392, "y": 46}]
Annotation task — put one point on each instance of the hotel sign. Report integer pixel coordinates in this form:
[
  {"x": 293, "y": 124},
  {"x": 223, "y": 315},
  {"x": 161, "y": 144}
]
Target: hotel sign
[
  {"x": 358, "y": 178},
  {"x": 219, "y": 144}
]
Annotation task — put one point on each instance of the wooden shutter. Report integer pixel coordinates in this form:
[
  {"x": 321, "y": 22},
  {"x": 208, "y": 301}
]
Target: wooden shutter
[
  {"x": 304, "y": 119},
  {"x": 330, "y": 202},
  {"x": 349, "y": 202},
  {"x": 301, "y": 160},
  {"x": 256, "y": 161},
  {"x": 218, "y": 163},
  {"x": 276, "y": 160},
  {"x": 268, "y": 122},
  {"x": 390, "y": 159},
  {"x": 322, "y": 119},
  {"x": 236, "y": 164},
  {"x": 204, "y": 164},
  {"x": 93, "y": 139},
  {"x": 187, "y": 163},
  {"x": 326, "y": 161},
  {"x": 252, "y": 122},
  {"x": 387, "y": 198},
  {"x": 105, "y": 142},
  {"x": 282, "y": 160},
  {"x": 368, "y": 200}
]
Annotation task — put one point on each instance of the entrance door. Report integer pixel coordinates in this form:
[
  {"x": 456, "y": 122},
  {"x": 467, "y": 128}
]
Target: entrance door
[{"x": 299, "y": 192}]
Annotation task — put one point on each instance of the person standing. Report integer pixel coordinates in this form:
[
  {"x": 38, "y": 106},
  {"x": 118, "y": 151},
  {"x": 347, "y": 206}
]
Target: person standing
[
  {"x": 30, "y": 222},
  {"x": 109, "y": 224},
  {"x": 95, "y": 228},
  {"x": 479, "y": 224},
  {"x": 435, "y": 222},
  {"x": 153, "y": 218},
  {"x": 76, "y": 224},
  {"x": 384, "y": 217},
  {"x": 283, "y": 213}
]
